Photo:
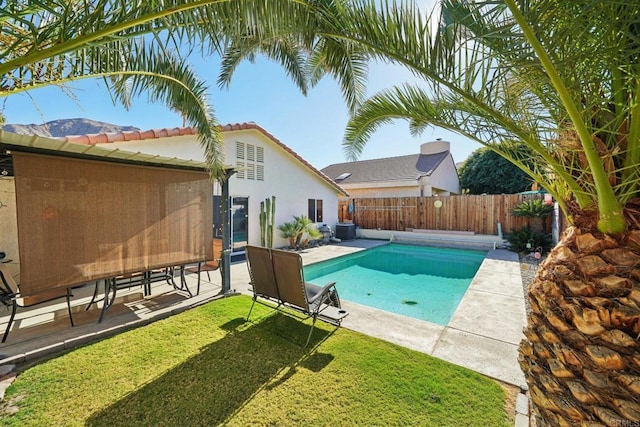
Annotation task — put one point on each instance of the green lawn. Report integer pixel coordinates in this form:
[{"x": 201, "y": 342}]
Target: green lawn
[{"x": 207, "y": 366}]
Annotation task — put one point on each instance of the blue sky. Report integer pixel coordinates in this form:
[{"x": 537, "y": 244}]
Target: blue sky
[{"x": 313, "y": 126}]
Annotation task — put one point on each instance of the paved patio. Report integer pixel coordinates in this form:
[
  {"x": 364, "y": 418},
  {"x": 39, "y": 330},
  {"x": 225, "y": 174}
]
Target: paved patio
[{"x": 482, "y": 335}]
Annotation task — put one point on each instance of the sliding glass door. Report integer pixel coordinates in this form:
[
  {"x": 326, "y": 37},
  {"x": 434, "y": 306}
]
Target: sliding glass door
[{"x": 239, "y": 223}]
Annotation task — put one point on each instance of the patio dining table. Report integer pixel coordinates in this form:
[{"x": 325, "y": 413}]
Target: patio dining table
[{"x": 103, "y": 272}]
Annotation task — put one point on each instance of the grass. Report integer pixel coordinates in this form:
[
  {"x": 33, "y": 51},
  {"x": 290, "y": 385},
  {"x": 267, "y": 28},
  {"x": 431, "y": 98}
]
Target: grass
[{"x": 207, "y": 366}]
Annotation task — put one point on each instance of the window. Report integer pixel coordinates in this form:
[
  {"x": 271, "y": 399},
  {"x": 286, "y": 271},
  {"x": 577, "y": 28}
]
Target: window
[
  {"x": 251, "y": 153},
  {"x": 239, "y": 150},
  {"x": 343, "y": 176},
  {"x": 315, "y": 210}
]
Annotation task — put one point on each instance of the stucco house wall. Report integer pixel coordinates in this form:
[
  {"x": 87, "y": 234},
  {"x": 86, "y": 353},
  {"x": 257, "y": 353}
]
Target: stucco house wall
[
  {"x": 444, "y": 179},
  {"x": 286, "y": 176}
]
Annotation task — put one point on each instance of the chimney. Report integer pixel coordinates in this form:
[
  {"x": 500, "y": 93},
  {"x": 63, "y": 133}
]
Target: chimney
[{"x": 433, "y": 147}]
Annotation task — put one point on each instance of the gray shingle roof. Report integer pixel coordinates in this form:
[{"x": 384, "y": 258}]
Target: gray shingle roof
[{"x": 387, "y": 169}]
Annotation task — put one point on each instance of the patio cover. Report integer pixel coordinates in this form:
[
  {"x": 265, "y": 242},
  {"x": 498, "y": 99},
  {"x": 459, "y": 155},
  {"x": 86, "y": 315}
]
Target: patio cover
[{"x": 87, "y": 212}]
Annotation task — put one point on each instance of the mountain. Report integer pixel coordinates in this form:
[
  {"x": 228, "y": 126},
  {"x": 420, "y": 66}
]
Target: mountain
[{"x": 66, "y": 127}]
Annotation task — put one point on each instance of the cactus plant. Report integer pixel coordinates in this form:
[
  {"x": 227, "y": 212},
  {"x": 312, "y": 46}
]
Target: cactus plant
[
  {"x": 267, "y": 219},
  {"x": 263, "y": 218},
  {"x": 271, "y": 224}
]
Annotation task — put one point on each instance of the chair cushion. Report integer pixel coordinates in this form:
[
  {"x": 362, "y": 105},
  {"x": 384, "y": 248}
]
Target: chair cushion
[{"x": 332, "y": 299}]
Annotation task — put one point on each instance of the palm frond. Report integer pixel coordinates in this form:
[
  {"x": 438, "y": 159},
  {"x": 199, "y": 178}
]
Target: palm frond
[
  {"x": 343, "y": 61},
  {"x": 282, "y": 49},
  {"x": 135, "y": 46},
  {"x": 169, "y": 79},
  {"x": 525, "y": 71}
]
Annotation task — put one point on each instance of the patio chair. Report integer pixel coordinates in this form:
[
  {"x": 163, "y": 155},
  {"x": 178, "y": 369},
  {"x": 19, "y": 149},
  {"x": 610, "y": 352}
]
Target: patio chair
[
  {"x": 311, "y": 300},
  {"x": 263, "y": 280},
  {"x": 10, "y": 297},
  {"x": 211, "y": 265}
]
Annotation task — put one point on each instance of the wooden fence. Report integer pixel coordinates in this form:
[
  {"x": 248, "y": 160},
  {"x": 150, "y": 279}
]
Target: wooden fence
[{"x": 479, "y": 214}]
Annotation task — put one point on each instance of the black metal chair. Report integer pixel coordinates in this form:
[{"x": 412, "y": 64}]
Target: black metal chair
[{"x": 10, "y": 297}]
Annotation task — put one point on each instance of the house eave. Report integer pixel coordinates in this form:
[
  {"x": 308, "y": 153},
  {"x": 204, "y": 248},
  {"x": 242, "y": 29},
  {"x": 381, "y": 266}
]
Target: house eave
[{"x": 60, "y": 147}]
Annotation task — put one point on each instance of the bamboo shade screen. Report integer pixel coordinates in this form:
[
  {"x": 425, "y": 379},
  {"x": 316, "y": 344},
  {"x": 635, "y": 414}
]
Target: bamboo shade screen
[{"x": 82, "y": 220}]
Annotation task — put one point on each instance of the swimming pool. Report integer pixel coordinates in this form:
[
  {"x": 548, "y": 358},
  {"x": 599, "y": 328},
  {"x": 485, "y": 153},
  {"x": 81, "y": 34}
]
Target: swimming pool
[{"x": 422, "y": 282}]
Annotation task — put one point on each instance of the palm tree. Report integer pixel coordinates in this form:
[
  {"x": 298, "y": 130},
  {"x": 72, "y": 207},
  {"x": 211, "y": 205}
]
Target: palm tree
[
  {"x": 143, "y": 46},
  {"x": 297, "y": 229},
  {"x": 305, "y": 228},
  {"x": 289, "y": 230},
  {"x": 561, "y": 77}
]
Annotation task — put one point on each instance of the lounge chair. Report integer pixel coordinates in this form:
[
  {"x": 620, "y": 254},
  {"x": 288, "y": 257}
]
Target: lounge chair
[
  {"x": 10, "y": 296},
  {"x": 311, "y": 300},
  {"x": 263, "y": 280}
]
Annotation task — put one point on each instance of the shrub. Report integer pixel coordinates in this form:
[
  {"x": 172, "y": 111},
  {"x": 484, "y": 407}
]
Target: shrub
[
  {"x": 536, "y": 210},
  {"x": 299, "y": 231},
  {"x": 533, "y": 209},
  {"x": 518, "y": 240},
  {"x": 486, "y": 172},
  {"x": 307, "y": 229},
  {"x": 288, "y": 230}
]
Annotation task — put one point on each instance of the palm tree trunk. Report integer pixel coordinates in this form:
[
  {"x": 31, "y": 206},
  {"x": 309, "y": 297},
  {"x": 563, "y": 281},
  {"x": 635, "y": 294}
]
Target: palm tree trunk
[{"x": 581, "y": 353}]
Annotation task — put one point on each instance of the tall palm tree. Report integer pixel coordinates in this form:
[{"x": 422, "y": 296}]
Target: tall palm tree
[
  {"x": 563, "y": 78},
  {"x": 143, "y": 47}
]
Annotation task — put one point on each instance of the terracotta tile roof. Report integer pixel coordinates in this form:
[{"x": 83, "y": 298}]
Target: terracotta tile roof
[
  {"x": 136, "y": 135},
  {"x": 104, "y": 138},
  {"x": 400, "y": 168}
]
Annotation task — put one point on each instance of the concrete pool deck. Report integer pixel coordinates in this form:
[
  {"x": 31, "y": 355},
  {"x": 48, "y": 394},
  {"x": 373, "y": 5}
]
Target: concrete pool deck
[{"x": 483, "y": 334}]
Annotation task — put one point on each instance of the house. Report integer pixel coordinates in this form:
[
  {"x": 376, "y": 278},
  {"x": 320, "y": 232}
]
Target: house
[
  {"x": 265, "y": 167},
  {"x": 432, "y": 172}
]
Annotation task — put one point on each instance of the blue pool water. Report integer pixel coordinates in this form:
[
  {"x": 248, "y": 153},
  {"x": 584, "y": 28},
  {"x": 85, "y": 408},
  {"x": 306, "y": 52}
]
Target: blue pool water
[{"x": 422, "y": 282}]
